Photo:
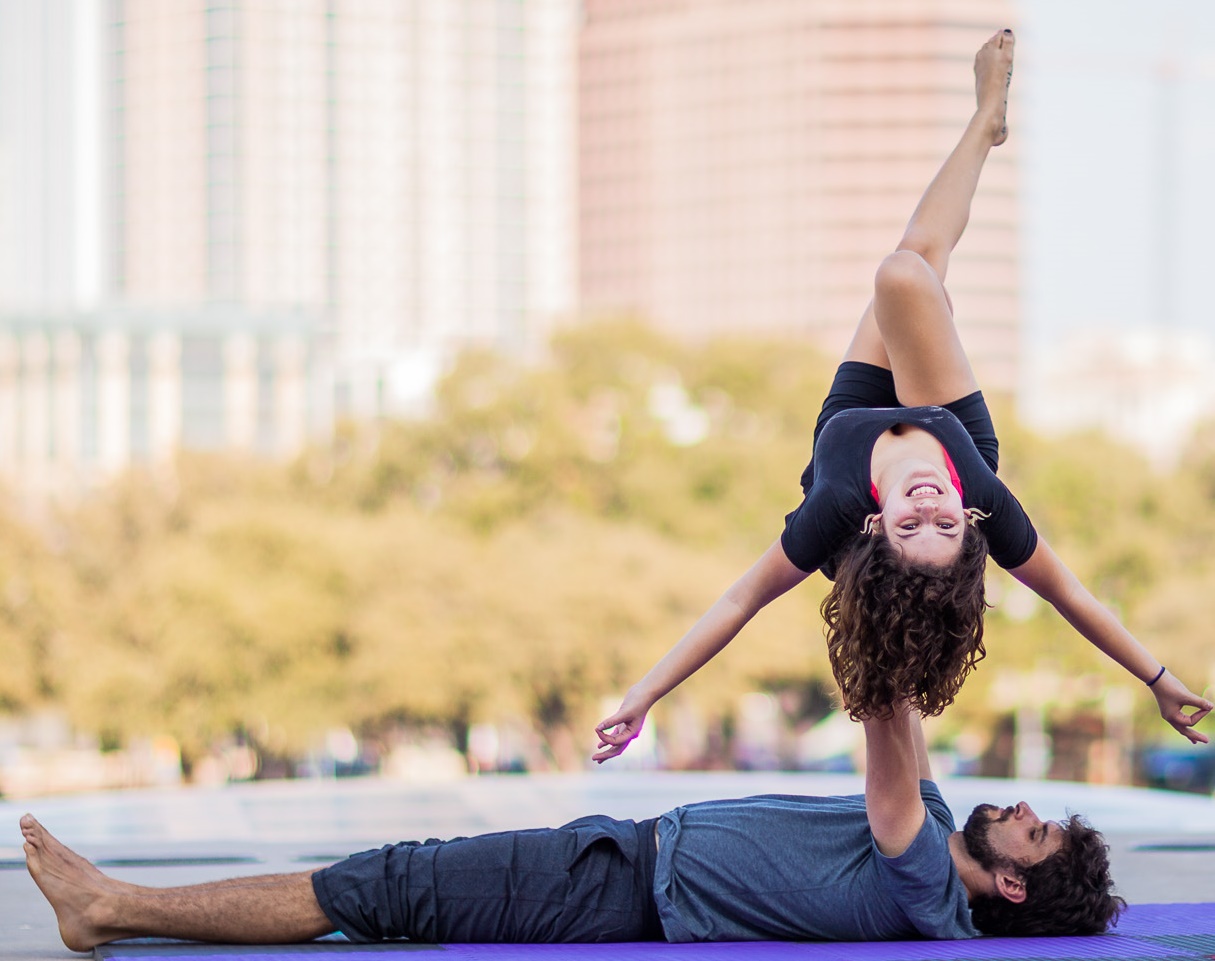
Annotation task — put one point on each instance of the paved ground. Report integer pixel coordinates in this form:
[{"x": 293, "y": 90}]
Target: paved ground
[{"x": 1162, "y": 844}]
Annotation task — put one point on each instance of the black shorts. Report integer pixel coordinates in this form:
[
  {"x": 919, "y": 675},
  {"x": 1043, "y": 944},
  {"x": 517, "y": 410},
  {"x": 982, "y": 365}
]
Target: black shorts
[
  {"x": 590, "y": 880},
  {"x": 858, "y": 384}
]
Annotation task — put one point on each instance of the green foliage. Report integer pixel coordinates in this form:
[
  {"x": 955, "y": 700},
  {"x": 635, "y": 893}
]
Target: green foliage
[
  {"x": 527, "y": 551},
  {"x": 34, "y": 587}
]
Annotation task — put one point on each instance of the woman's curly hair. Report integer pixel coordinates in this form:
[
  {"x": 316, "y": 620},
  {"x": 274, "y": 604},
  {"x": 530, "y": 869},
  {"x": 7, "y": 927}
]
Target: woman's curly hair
[
  {"x": 899, "y": 631},
  {"x": 1069, "y": 892}
]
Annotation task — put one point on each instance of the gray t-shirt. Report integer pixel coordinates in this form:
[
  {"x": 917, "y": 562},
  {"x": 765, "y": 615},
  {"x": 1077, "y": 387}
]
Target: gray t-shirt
[{"x": 782, "y": 867}]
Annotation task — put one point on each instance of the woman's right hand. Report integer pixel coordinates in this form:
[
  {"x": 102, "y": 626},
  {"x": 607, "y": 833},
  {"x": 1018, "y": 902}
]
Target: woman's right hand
[{"x": 615, "y": 732}]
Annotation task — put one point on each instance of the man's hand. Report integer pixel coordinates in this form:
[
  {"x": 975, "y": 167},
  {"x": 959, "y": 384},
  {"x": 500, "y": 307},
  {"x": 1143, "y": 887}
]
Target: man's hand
[
  {"x": 618, "y": 730},
  {"x": 1173, "y": 698}
]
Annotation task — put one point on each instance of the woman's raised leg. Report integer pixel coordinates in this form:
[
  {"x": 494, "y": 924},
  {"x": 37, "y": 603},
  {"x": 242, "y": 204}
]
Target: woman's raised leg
[{"x": 908, "y": 326}]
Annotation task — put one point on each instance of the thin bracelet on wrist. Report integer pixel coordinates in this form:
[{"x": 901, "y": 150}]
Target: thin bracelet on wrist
[{"x": 1158, "y": 676}]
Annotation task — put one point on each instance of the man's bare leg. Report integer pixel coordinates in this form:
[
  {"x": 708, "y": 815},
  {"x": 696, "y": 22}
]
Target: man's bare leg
[{"x": 93, "y": 909}]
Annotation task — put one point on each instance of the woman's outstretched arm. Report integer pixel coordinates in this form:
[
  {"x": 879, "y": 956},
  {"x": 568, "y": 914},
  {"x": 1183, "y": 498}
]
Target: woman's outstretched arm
[
  {"x": 1054, "y": 581},
  {"x": 768, "y": 578}
]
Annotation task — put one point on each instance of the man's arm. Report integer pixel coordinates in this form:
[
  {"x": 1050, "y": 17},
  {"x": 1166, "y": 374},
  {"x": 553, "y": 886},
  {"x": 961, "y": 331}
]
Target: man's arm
[{"x": 896, "y": 761}]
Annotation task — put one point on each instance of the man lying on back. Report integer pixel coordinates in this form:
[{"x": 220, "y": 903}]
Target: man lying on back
[{"x": 882, "y": 866}]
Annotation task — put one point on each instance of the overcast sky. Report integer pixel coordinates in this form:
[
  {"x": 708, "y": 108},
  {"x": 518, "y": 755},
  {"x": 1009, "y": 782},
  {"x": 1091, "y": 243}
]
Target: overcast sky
[{"x": 1118, "y": 148}]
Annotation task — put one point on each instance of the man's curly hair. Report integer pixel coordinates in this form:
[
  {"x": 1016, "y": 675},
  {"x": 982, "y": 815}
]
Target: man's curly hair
[
  {"x": 899, "y": 631},
  {"x": 1070, "y": 892}
]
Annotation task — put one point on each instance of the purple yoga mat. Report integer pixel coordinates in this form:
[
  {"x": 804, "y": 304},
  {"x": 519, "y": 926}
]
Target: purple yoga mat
[{"x": 1147, "y": 932}]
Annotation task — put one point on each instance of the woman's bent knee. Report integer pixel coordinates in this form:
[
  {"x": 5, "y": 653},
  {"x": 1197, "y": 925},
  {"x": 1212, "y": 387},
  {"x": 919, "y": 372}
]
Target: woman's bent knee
[{"x": 906, "y": 273}]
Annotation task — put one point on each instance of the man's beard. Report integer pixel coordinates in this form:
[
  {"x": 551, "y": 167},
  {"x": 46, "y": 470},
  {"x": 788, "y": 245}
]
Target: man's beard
[{"x": 976, "y": 834}]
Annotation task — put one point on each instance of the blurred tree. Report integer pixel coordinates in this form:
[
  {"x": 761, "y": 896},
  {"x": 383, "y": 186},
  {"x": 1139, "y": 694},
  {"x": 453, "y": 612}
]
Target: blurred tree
[
  {"x": 526, "y": 551},
  {"x": 35, "y": 593}
]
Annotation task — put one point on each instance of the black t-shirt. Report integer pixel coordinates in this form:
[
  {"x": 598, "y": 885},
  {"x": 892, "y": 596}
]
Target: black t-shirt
[{"x": 837, "y": 484}]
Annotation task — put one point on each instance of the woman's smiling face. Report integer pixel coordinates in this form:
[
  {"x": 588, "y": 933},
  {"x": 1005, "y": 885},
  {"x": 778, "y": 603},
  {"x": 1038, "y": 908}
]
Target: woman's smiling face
[{"x": 923, "y": 517}]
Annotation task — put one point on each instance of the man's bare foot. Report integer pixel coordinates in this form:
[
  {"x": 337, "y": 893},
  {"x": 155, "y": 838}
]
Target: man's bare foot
[
  {"x": 80, "y": 894},
  {"x": 993, "y": 74}
]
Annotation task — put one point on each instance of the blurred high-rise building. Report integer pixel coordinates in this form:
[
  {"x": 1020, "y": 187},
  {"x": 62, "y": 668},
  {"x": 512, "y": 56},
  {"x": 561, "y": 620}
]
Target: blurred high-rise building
[
  {"x": 293, "y": 210},
  {"x": 49, "y": 174},
  {"x": 401, "y": 169},
  {"x": 1148, "y": 387},
  {"x": 744, "y": 167}
]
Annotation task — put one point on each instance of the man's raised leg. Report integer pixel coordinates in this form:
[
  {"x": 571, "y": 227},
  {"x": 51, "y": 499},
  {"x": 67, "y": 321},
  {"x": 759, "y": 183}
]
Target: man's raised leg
[{"x": 93, "y": 909}]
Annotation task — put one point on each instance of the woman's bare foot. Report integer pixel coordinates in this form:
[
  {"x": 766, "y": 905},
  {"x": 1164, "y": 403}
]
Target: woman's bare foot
[
  {"x": 80, "y": 894},
  {"x": 993, "y": 74}
]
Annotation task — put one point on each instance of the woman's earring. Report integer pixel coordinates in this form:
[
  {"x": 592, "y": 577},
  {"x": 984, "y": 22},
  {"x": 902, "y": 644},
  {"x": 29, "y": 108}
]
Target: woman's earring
[
  {"x": 873, "y": 525},
  {"x": 973, "y": 515}
]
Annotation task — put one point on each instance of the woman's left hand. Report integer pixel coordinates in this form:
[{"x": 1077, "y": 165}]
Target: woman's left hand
[{"x": 1173, "y": 698}]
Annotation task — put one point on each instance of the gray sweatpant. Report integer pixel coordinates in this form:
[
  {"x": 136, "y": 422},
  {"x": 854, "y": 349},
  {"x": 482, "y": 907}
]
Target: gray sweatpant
[{"x": 589, "y": 880}]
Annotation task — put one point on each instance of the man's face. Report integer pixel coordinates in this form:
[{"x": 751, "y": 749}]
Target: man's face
[{"x": 1000, "y": 837}]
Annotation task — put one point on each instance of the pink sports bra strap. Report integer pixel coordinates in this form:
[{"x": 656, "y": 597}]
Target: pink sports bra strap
[
  {"x": 953, "y": 474},
  {"x": 953, "y": 478}
]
